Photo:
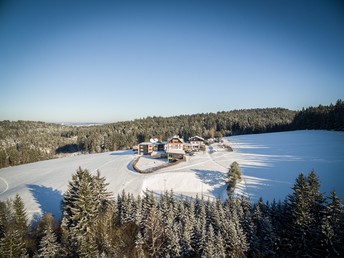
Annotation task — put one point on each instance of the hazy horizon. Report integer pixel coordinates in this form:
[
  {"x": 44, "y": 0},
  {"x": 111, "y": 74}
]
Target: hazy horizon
[{"x": 115, "y": 61}]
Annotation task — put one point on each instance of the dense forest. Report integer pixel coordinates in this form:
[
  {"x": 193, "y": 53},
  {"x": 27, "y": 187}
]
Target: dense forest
[
  {"x": 24, "y": 141},
  {"x": 94, "y": 224}
]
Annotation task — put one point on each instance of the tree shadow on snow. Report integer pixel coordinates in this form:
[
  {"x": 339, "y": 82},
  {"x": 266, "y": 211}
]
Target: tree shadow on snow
[
  {"x": 213, "y": 178},
  {"x": 210, "y": 177},
  {"x": 48, "y": 198},
  {"x": 122, "y": 153}
]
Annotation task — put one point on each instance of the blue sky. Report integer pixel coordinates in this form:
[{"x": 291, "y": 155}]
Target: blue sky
[{"x": 106, "y": 61}]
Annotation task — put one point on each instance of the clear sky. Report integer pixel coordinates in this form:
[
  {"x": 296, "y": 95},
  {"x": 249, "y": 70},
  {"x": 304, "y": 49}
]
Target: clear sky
[{"x": 106, "y": 61}]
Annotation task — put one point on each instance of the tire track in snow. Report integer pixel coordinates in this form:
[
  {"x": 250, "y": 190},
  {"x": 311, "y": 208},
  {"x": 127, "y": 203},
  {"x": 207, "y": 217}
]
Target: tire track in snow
[{"x": 6, "y": 185}]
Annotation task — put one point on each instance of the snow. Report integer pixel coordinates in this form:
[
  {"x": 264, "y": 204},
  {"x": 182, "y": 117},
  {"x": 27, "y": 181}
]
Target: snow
[{"x": 270, "y": 164}]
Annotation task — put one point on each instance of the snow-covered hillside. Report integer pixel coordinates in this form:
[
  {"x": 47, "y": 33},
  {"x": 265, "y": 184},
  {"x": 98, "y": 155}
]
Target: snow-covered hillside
[{"x": 270, "y": 163}]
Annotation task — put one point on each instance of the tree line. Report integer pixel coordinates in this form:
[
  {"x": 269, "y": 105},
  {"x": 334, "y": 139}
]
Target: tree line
[
  {"x": 94, "y": 224},
  {"x": 24, "y": 141}
]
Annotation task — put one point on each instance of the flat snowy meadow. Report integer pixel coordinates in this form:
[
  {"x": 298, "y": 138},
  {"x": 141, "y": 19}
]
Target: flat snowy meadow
[{"x": 270, "y": 164}]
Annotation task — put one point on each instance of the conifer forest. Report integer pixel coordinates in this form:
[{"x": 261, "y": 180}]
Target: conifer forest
[
  {"x": 95, "y": 224},
  {"x": 26, "y": 141}
]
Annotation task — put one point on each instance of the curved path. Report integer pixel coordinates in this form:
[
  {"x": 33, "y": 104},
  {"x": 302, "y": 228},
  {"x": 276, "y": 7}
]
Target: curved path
[{"x": 3, "y": 185}]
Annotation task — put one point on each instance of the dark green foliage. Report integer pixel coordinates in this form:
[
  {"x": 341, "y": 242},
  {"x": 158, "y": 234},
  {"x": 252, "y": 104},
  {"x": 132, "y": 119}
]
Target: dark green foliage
[
  {"x": 233, "y": 176},
  {"x": 83, "y": 202},
  {"x": 25, "y": 141},
  {"x": 305, "y": 225},
  {"x": 322, "y": 117},
  {"x": 49, "y": 247},
  {"x": 14, "y": 227}
]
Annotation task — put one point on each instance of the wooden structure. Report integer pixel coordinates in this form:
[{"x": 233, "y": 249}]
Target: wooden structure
[
  {"x": 197, "y": 143},
  {"x": 174, "y": 143},
  {"x": 145, "y": 148}
]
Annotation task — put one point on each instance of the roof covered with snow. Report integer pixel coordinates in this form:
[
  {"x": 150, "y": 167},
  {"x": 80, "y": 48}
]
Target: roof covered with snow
[
  {"x": 175, "y": 137},
  {"x": 175, "y": 151},
  {"x": 196, "y": 138}
]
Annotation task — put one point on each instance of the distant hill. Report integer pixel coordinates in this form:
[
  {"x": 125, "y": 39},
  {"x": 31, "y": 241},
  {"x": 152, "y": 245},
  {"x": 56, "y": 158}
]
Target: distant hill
[{"x": 26, "y": 141}]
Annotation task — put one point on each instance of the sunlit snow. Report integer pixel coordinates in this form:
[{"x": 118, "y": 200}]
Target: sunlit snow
[{"x": 270, "y": 164}]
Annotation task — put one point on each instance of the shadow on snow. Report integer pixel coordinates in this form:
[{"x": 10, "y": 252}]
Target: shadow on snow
[
  {"x": 122, "y": 153},
  {"x": 48, "y": 198},
  {"x": 213, "y": 178}
]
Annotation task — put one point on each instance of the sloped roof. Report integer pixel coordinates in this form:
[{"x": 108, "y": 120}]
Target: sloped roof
[
  {"x": 175, "y": 137},
  {"x": 145, "y": 143},
  {"x": 197, "y": 137}
]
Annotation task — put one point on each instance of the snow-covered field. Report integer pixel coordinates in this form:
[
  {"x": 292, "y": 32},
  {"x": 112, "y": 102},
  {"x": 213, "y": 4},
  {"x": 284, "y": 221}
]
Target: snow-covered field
[{"x": 270, "y": 163}]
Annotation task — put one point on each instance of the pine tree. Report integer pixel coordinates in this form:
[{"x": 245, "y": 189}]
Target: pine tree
[
  {"x": 12, "y": 244},
  {"x": 333, "y": 227},
  {"x": 220, "y": 250},
  {"x": 49, "y": 247},
  {"x": 237, "y": 239},
  {"x": 139, "y": 242},
  {"x": 105, "y": 227},
  {"x": 233, "y": 176},
  {"x": 84, "y": 200},
  {"x": 154, "y": 232},
  {"x": 306, "y": 207},
  {"x": 20, "y": 218},
  {"x": 264, "y": 232},
  {"x": 15, "y": 229},
  {"x": 210, "y": 248},
  {"x": 138, "y": 215}
]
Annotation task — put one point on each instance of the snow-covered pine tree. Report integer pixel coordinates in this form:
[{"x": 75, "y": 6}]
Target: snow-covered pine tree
[
  {"x": 209, "y": 248},
  {"x": 49, "y": 247},
  {"x": 138, "y": 213},
  {"x": 20, "y": 218},
  {"x": 172, "y": 235},
  {"x": 181, "y": 213},
  {"x": 220, "y": 250},
  {"x": 82, "y": 204},
  {"x": 154, "y": 232},
  {"x": 139, "y": 242},
  {"x": 105, "y": 227},
  {"x": 301, "y": 217},
  {"x": 264, "y": 232},
  {"x": 15, "y": 229},
  {"x": 333, "y": 227},
  {"x": 240, "y": 243},
  {"x": 12, "y": 244},
  {"x": 186, "y": 238},
  {"x": 102, "y": 195}
]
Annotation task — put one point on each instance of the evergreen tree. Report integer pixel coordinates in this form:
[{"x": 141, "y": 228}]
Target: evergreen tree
[
  {"x": 20, "y": 216},
  {"x": 15, "y": 229},
  {"x": 210, "y": 248},
  {"x": 333, "y": 227},
  {"x": 154, "y": 232},
  {"x": 220, "y": 250},
  {"x": 239, "y": 241},
  {"x": 49, "y": 247},
  {"x": 234, "y": 175},
  {"x": 85, "y": 198},
  {"x": 139, "y": 242},
  {"x": 306, "y": 206}
]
